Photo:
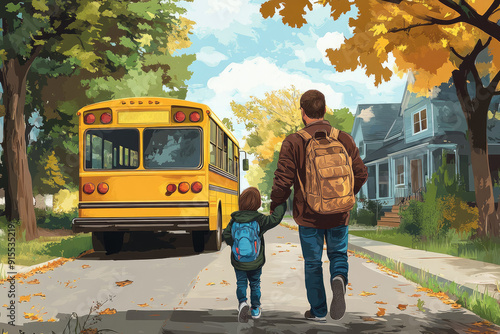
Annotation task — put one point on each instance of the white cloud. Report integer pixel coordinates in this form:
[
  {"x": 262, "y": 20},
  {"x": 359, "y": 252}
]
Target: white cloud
[
  {"x": 366, "y": 114},
  {"x": 210, "y": 57},
  {"x": 226, "y": 19},
  {"x": 331, "y": 40}
]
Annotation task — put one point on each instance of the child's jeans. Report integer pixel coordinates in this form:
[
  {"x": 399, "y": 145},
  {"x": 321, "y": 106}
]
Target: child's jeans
[{"x": 252, "y": 276}]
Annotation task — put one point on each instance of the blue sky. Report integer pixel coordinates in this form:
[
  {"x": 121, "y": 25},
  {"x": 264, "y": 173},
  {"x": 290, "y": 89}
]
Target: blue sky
[{"x": 240, "y": 54}]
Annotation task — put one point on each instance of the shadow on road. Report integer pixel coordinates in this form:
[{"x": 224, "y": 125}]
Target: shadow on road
[
  {"x": 148, "y": 245},
  {"x": 276, "y": 322}
]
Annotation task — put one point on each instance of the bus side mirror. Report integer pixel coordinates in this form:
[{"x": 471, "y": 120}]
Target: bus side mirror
[{"x": 245, "y": 164}]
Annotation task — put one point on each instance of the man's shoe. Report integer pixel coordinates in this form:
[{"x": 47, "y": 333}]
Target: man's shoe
[
  {"x": 309, "y": 316},
  {"x": 337, "y": 308},
  {"x": 255, "y": 313},
  {"x": 243, "y": 312}
]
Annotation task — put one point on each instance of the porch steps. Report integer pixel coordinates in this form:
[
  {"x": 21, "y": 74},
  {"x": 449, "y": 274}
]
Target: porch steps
[{"x": 390, "y": 218}]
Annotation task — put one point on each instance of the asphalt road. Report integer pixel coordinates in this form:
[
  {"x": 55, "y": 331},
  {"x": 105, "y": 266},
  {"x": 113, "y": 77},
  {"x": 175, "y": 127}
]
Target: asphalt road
[{"x": 175, "y": 290}]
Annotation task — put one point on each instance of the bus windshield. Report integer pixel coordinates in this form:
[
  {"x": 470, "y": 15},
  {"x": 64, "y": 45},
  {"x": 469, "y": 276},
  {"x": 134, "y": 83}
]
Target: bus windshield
[
  {"x": 166, "y": 148},
  {"x": 112, "y": 149}
]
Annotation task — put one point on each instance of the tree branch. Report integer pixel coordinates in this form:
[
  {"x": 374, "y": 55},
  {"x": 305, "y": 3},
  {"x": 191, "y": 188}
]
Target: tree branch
[
  {"x": 456, "y": 53},
  {"x": 492, "y": 9},
  {"x": 496, "y": 93},
  {"x": 494, "y": 82},
  {"x": 431, "y": 21}
]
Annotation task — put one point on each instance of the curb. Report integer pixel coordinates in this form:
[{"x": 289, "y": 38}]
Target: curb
[
  {"x": 30, "y": 268},
  {"x": 408, "y": 268}
]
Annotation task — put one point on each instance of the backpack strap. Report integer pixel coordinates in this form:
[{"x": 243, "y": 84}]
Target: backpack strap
[
  {"x": 304, "y": 134},
  {"x": 334, "y": 133}
]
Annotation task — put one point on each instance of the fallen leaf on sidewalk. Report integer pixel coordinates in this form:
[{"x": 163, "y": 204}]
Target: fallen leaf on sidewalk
[
  {"x": 349, "y": 288},
  {"x": 375, "y": 286},
  {"x": 420, "y": 288},
  {"x": 220, "y": 299},
  {"x": 455, "y": 306},
  {"x": 402, "y": 307},
  {"x": 39, "y": 294},
  {"x": 273, "y": 254},
  {"x": 278, "y": 283},
  {"x": 470, "y": 330},
  {"x": 24, "y": 298},
  {"x": 380, "y": 303},
  {"x": 482, "y": 323},
  {"x": 211, "y": 283},
  {"x": 293, "y": 268},
  {"x": 369, "y": 261},
  {"x": 108, "y": 311},
  {"x": 35, "y": 281},
  {"x": 350, "y": 294},
  {"x": 294, "y": 246},
  {"x": 415, "y": 295},
  {"x": 143, "y": 305},
  {"x": 381, "y": 312},
  {"x": 365, "y": 294},
  {"x": 51, "y": 320},
  {"x": 124, "y": 283},
  {"x": 280, "y": 237},
  {"x": 225, "y": 283},
  {"x": 151, "y": 299},
  {"x": 85, "y": 266},
  {"x": 288, "y": 243},
  {"x": 368, "y": 319}
]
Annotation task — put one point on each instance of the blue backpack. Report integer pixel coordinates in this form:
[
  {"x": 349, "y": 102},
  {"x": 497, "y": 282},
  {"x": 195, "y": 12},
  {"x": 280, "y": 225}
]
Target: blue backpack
[{"x": 246, "y": 241}]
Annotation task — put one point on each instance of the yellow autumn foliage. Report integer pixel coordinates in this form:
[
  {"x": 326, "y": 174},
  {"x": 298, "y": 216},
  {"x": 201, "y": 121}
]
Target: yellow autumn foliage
[{"x": 461, "y": 217}]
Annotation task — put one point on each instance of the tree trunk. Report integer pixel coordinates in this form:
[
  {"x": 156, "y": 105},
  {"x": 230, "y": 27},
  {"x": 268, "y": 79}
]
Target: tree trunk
[
  {"x": 19, "y": 192},
  {"x": 475, "y": 111}
]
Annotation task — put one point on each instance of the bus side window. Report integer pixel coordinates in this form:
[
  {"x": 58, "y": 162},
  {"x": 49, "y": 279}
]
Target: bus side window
[
  {"x": 88, "y": 151},
  {"x": 114, "y": 156},
  {"x": 213, "y": 142},
  {"x": 225, "y": 157},
  {"x": 126, "y": 156},
  {"x": 121, "y": 156},
  {"x": 230, "y": 155},
  {"x": 220, "y": 147},
  {"x": 108, "y": 154},
  {"x": 96, "y": 152}
]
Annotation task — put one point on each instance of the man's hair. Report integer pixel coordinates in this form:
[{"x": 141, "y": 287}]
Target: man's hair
[
  {"x": 313, "y": 103},
  {"x": 250, "y": 199}
]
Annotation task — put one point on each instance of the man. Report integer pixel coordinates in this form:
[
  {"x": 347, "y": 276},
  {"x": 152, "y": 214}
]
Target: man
[{"x": 315, "y": 228}]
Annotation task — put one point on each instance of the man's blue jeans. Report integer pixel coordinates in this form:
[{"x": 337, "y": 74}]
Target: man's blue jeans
[
  {"x": 312, "y": 240},
  {"x": 252, "y": 276}
]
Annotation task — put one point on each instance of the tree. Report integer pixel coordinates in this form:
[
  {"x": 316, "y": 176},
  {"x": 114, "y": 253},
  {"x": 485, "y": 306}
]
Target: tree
[
  {"x": 269, "y": 121},
  {"x": 99, "y": 37},
  {"x": 435, "y": 40}
]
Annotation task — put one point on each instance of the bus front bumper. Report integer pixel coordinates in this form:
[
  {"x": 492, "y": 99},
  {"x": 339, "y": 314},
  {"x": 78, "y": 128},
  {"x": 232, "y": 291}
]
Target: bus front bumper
[{"x": 160, "y": 224}]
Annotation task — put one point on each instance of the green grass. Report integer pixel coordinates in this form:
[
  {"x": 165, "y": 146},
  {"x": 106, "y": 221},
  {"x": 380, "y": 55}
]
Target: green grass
[
  {"x": 46, "y": 248},
  {"x": 453, "y": 244},
  {"x": 484, "y": 305}
]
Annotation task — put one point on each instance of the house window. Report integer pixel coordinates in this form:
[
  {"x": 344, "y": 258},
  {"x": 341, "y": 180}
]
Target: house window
[
  {"x": 383, "y": 180},
  {"x": 361, "y": 147},
  {"x": 420, "y": 121},
  {"x": 400, "y": 171}
]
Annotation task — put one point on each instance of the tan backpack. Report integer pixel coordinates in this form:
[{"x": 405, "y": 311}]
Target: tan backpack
[{"x": 329, "y": 184}]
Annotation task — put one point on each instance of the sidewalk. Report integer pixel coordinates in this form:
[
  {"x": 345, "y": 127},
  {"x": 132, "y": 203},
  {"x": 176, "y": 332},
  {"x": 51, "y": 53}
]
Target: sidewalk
[{"x": 470, "y": 275}]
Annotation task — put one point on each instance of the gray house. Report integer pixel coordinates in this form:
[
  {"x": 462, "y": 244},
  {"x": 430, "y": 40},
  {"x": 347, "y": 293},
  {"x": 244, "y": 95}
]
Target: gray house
[{"x": 403, "y": 144}]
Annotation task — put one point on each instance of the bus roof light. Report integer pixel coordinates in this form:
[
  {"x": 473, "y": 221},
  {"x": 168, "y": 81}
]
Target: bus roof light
[
  {"x": 196, "y": 187},
  {"x": 194, "y": 116},
  {"x": 183, "y": 187},
  {"x": 179, "y": 117},
  {"x": 132, "y": 102},
  {"x": 106, "y": 118},
  {"x": 88, "y": 188},
  {"x": 140, "y": 102},
  {"x": 102, "y": 188},
  {"x": 157, "y": 102},
  {"x": 89, "y": 118}
]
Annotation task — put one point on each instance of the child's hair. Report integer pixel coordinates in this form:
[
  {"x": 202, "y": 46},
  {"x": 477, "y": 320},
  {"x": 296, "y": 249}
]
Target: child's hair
[{"x": 250, "y": 199}]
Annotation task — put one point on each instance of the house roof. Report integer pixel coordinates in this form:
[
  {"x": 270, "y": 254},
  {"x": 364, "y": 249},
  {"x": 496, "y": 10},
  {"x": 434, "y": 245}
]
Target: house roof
[
  {"x": 396, "y": 128},
  {"x": 395, "y": 145},
  {"x": 376, "y": 119}
]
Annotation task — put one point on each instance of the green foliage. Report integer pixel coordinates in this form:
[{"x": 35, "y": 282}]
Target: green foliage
[
  {"x": 53, "y": 221},
  {"x": 411, "y": 218},
  {"x": 227, "y": 122},
  {"x": 366, "y": 217},
  {"x": 373, "y": 206},
  {"x": 342, "y": 119}
]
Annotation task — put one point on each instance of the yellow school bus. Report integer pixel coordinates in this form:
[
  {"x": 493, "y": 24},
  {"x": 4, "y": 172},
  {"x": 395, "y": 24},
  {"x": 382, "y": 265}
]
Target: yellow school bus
[{"x": 155, "y": 164}]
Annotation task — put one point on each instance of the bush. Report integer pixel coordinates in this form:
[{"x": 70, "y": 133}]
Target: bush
[
  {"x": 53, "y": 221},
  {"x": 458, "y": 215},
  {"x": 373, "y": 206},
  {"x": 411, "y": 218},
  {"x": 366, "y": 217}
]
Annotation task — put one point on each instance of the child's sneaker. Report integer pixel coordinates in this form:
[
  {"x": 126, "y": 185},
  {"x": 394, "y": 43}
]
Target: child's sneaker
[
  {"x": 255, "y": 313},
  {"x": 309, "y": 316},
  {"x": 243, "y": 312},
  {"x": 337, "y": 308}
]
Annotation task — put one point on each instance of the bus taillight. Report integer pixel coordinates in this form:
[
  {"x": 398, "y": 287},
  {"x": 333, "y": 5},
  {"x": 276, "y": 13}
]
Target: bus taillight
[
  {"x": 179, "y": 117},
  {"x": 88, "y": 188},
  {"x": 196, "y": 187},
  {"x": 89, "y": 119},
  {"x": 102, "y": 188},
  {"x": 171, "y": 188},
  {"x": 106, "y": 118},
  {"x": 183, "y": 187},
  {"x": 194, "y": 116}
]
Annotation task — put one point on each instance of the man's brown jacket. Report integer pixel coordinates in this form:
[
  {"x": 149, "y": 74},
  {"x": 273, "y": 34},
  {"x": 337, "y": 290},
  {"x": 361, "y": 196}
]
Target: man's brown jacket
[{"x": 291, "y": 165}]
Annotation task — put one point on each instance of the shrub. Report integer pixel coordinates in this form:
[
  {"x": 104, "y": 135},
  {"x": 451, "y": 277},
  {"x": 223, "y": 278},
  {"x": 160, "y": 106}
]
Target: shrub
[
  {"x": 373, "y": 206},
  {"x": 53, "y": 221},
  {"x": 458, "y": 214},
  {"x": 411, "y": 218},
  {"x": 366, "y": 217}
]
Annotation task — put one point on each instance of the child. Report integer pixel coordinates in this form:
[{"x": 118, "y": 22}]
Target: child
[{"x": 245, "y": 233}]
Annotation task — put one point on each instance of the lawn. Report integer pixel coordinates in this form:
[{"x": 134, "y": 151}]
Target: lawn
[
  {"x": 454, "y": 244},
  {"x": 46, "y": 248}
]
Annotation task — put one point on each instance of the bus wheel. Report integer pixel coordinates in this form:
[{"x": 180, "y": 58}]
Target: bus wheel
[
  {"x": 98, "y": 241},
  {"x": 214, "y": 238},
  {"x": 198, "y": 241},
  {"x": 113, "y": 242}
]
